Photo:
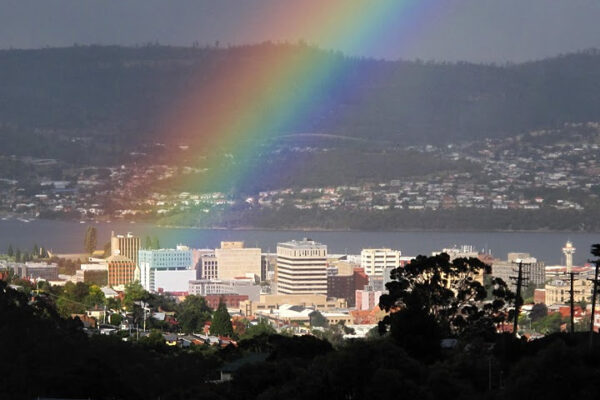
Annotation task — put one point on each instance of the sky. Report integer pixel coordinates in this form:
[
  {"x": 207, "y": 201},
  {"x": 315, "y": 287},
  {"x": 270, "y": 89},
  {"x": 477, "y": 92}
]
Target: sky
[{"x": 443, "y": 30}]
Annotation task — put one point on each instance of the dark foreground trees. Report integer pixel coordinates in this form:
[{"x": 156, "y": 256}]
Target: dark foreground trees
[{"x": 433, "y": 297}]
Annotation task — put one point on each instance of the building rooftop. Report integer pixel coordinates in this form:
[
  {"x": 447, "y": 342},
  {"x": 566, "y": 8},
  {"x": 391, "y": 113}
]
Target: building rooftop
[{"x": 302, "y": 244}]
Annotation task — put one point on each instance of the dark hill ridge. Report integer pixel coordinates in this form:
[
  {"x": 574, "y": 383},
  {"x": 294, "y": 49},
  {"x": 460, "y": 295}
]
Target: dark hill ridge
[{"x": 109, "y": 90}]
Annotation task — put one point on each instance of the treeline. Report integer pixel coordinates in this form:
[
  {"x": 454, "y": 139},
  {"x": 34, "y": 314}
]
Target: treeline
[
  {"x": 381, "y": 220},
  {"x": 124, "y": 93}
]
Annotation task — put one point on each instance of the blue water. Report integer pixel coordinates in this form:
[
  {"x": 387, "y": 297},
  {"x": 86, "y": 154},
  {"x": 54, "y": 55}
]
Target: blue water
[{"x": 67, "y": 237}]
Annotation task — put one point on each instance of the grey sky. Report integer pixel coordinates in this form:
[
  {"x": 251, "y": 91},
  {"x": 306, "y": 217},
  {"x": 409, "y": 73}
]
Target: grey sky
[{"x": 472, "y": 30}]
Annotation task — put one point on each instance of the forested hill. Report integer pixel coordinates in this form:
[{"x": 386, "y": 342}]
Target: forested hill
[{"x": 125, "y": 92}]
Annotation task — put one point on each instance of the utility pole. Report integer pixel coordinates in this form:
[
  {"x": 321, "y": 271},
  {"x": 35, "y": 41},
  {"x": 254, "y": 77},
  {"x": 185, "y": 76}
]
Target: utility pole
[
  {"x": 518, "y": 300},
  {"x": 596, "y": 252},
  {"x": 572, "y": 301}
]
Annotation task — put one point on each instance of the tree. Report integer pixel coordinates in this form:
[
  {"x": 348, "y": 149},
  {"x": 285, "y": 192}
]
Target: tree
[
  {"x": 95, "y": 297},
  {"x": 10, "y": 251},
  {"x": 262, "y": 328},
  {"x": 115, "y": 319},
  {"x": 18, "y": 255},
  {"x": 318, "y": 320},
  {"x": 90, "y": 239},
  {"x": 134, "y": 291},
  {"x": 36, "y": 251},
  {"x": 442, "y": 296},
  {"x": 193, "y": 313},
  {"x": 548, "y": 324},
  {"x": 221, "y": 322},
  {"x": 155, "y": 243},
  {"x": 148, "y": 244},
  {"x": 538, "y": 311}
]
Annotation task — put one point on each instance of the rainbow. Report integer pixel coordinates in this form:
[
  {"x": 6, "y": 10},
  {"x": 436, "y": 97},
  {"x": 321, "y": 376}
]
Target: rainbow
[{"x": 243, "y": 107}]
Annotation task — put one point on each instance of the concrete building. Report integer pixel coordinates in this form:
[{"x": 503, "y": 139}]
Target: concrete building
[
  {"x": 207, "y": 287},
  {"x": 121, "y": 270},
  {"x": 301, "y": 267},
  {"x": 153, "y": 261},
  {"x": 230, "y": 300},
  {"x": 375, "y": 261},
  {"x": 235, "y": 260},
  {"x": 533, "y": 270},
  {"x": 289, "y": 314},
  {"x": 208, "y": 267},
  {"x": 558, "y": 291},
  {"x": 35, "y": 270},
  {"x": 273, "y": 301},
  {"x": 96, "y": 274},
  {"x": 367, "y": 299},
  {"x": 126, "y": 245}
]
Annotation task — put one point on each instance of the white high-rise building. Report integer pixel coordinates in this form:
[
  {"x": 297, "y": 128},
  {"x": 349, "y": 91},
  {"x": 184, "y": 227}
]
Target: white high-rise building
[
  {"x": 166, "y": 268},
  {"x": 376, "y": 261},
  {"x": 302, "y": 267}
]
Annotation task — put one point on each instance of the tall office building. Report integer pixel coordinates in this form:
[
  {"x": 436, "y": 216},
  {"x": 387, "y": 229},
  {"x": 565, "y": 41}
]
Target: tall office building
[
  {"x": 208, "y": 267},
  {"x": 534, "y": 270},
  {"x": 168, "y": 269},
  {"x": 375, "y": 261},
  {"x": 301, "y": 267},
  {"x": 234, "y": 260},
  {"x": 121, "y": 270},
  {"x": 126, "y": 245}
]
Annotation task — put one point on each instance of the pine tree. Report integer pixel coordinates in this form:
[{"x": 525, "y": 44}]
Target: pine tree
[
  {"x": 36, "y": 251},
  {"x": 156, "y": 243},
  {"x": 148, "y": 245},
  {"x": 10, "y": 251},
  {"x": 90, "y": 241},
  {"x": 221, "y": 322},
  {"x": 18, "y": 255}
]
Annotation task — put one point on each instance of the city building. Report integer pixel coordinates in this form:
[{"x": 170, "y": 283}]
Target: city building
[
  {"x": 125, "y": 245},
  {"x": 301, "y": 267},
  {"x": 533, "y": 270},
  {"x": 273, "y": 301},
  {"x": 367, "y": 299},
  {"x": 162, "y": 266},
  {"x": 558, "y": 291},
  {"x": 230, "y": 300},
  {"x": 375, "y": 261},
  {"x": 93, "y": 273},
  {"x": 35, "y": 270},
  {"x": 121, "y": 270},
  {"x": 235, "y": 260},
  {"x": 208, "y": 267},
  {"x": 241, "y": 286}
]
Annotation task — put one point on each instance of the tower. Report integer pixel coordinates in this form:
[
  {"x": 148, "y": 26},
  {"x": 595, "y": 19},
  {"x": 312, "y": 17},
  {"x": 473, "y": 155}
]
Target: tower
[{"x": 568, "y": 251}]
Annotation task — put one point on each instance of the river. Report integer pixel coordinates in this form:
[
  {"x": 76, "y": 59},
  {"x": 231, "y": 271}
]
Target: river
[{"x": 67, "y": 237}]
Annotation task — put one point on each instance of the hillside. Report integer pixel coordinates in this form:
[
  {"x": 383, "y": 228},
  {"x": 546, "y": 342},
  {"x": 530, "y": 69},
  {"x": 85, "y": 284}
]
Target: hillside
[{"x": 126, "y": 92}]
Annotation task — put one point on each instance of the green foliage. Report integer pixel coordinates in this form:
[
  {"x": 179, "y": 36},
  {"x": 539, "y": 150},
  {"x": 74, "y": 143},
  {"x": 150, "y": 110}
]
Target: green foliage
[
  {"x": 193, "y": 313},
  {"x": 10, "y": 252},
  {"x": 549, "y": 324},
  {"x": 262, "y": 328},
  {"x": 318, "y": 320},
  {"x": 134, "y": 291},
  {"x": 116, "y": 319},
  {"x": 221, "y": 322}
]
